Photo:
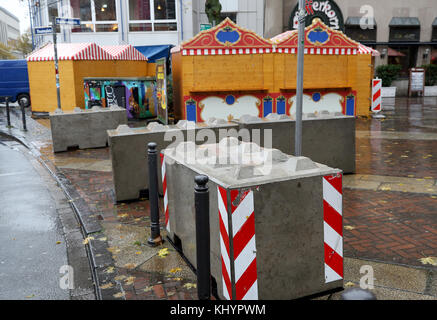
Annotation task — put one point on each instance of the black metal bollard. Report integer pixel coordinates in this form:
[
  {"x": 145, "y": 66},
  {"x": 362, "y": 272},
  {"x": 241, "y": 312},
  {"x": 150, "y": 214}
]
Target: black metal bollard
[
  {"x": 201, "y": 200},
  {"x": 155, "y": 236},
  {"x": 357, "y": 294},
  {"x": 8, "y": 115},
  {"x": 23, "y": 116}
]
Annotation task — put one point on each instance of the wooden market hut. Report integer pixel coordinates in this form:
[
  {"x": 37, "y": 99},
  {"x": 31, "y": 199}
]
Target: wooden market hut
[
  {"x": 228, "y": 71},
  {"x": 76, "y": 62}
]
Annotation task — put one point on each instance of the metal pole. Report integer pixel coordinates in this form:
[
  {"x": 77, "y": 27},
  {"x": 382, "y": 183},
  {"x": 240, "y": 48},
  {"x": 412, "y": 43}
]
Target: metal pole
[
  {"x": 23, "y": 116},
  {"x": 55, "y": 48},
  {"x": 31, "y": 24},
  {"x": 8, "y": 115},
  {"x": 155, "y": 236},
  {"x": 201, "y": 202},
  {"x": 299, "y": 83}
]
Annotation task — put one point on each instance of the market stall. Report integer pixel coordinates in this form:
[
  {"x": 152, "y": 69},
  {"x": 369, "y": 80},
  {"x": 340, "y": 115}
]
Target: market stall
[
  {"x": 228, "y": 71},
  {"x": 76, "y": 62}
]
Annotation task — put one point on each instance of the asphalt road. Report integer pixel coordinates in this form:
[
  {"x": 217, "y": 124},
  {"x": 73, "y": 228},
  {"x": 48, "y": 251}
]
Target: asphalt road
[{"x": 32, "y": 243}]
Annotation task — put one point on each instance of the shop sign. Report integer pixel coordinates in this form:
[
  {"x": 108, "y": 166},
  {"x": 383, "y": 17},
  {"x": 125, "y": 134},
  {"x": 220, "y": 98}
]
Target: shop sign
[{"x": 327, "y": 10}]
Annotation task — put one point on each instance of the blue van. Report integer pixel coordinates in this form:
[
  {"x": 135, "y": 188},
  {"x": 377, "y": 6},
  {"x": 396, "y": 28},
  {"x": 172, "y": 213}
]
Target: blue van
[{"x": 14, "y": 81}]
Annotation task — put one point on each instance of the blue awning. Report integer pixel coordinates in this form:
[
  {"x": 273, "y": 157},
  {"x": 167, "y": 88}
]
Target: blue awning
[{"x": 155, "y": 52}]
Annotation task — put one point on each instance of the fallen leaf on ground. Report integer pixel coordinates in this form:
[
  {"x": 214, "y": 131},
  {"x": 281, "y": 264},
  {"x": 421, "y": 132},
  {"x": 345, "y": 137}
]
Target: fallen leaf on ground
[
  {"x": 129, "y": 281},
  {"x": 349, "y": 227},
  {"x": 190, "y": 285},
  {"x": 163, "y": 252},
  {"x": 30, "y": 296},
  {"x": 349, "y": 284},
  {"x": 429, "y": 260},
  {"x": 118, "y": 295},
  {"x": 119, "y": 278},
  {"x": 174, "y": 270},
  {"x": 110, "y": 270},
  {"x": 103, "y": 239},
  {"x": 87, "y": 239},
  {"x": 107, "y": 286},
  {"x": 124, "y": 215},
  {"x": 147, "y": 289},
  {"x": 385, "y": 188},
  {"x": 178, "y": 279},
  {"x": 130, "y": 266},
  {"x": 113, "y": 249},
  {"x": 58, "y": 242},
  {"x": 138, "y": 252}
]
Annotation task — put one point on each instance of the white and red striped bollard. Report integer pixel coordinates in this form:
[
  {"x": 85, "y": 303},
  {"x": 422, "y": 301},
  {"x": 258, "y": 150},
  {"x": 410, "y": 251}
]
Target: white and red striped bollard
[
  {"x": 376, "y": 95},
  {"x": 164, "y": 191}
]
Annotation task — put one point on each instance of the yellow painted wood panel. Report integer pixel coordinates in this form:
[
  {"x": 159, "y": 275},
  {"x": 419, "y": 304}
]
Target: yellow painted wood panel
[
  {"x": 178, "y": 99},
  {"x": 364, "y": 84},
  {"x": 228, "y": 72},
  {"x": 320, "y": 71},
  {"x": 42, "y": 83}
]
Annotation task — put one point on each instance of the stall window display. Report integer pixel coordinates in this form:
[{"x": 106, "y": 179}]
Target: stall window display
[
  {"x": 152, "y": 15},
  {"x": 137, "y": 95},
  {"x": 95, "y": 15}
]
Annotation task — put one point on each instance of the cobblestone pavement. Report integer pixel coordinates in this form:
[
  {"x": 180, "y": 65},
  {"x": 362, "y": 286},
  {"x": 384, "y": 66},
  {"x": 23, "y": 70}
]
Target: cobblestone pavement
[{"x": 390, "y": 207}]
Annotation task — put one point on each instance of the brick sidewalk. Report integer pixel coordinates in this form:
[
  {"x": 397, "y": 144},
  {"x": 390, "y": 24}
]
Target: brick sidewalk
[{"x": 383, "y": 225}]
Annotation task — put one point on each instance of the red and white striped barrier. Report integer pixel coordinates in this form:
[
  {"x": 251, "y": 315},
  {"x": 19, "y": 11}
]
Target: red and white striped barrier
[
  {"x": 164, "y": 191},
  {"x": 243, "y": 254},
  {"x": 376, "y": 95},
  {"x": 238, "y": 245},
  {"x": 243, "y": 230},
  {"x": 224, "y": 243},
  {"x": 333, "y": 227}
]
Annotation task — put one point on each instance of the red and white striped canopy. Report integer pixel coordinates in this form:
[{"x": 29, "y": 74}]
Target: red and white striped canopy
[
  {"x": 124, "y": 52},
  {"x": 362, "y": 49},
  {"x": 70, "y": 51}
]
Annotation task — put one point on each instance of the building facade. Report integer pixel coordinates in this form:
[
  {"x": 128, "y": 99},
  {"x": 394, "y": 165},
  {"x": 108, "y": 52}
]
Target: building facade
[
  {"x": 403, "y": 31},
  {"x": 138, "y": 22},
  {"x": 9, "y": 27}
]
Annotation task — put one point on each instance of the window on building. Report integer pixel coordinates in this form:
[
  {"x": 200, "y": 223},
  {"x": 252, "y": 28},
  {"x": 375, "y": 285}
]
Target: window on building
[
  {"x": 361, "y": 31},
  {"x": 404, "y": 30},
  {"x": 405, "y": 56},
  {"x": 230, "y": 15},
  {"x": 53, "y": 13},
  {"x": 152, "y": 15},
  {"x": 95, "y": 15},
  {"x": 434, "y": 30}
]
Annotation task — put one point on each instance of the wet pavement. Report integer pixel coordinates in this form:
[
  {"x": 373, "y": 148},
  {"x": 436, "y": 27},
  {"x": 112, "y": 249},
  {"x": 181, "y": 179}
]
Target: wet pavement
[
  {"x": 390, "y": 209},
  {"x": 34, "y": 244}
]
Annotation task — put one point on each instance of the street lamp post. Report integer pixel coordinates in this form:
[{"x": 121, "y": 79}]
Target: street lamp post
[{"x": 299, "y": 85}]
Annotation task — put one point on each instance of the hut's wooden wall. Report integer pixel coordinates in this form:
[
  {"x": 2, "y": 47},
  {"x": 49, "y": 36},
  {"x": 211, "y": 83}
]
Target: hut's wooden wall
[
  {"x": 272, "y": 73},
  {"x": 71, "y": 73}
]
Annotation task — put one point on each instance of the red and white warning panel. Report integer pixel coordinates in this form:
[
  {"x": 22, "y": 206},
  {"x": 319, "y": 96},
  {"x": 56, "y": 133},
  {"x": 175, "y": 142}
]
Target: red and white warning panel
[
  {"x": 276, "y": 224},
  {"x": 164, "y": 191},
  {"x": 243, "y": 251},
  {"x": 333, "y": 227},
  {"x": 376, "y": 95}
]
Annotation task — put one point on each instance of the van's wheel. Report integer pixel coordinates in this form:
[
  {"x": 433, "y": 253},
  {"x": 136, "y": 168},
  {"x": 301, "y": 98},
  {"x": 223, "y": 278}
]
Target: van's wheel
[{"x": 24, "y": 99}]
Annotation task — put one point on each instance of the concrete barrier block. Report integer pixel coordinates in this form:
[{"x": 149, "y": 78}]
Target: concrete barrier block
[
  {"x": 84, "y": 128},
  {"x": 281, "y": 196},
  {"x": 128, "y": 150}
]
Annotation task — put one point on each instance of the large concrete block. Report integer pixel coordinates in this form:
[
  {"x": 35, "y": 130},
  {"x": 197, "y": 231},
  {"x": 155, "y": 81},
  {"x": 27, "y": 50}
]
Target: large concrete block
[
  {"x": 327, "y": 138},
  {"x": 266, "y": 221},
  {"x": 84, "y": 128},
  {"x": 128, "y": 149}
]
